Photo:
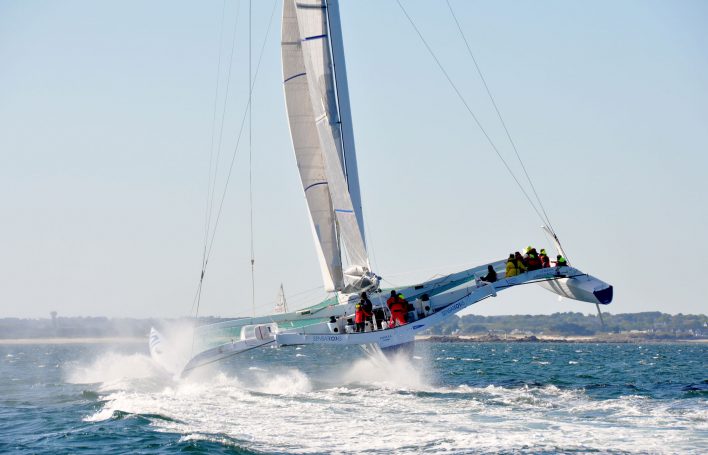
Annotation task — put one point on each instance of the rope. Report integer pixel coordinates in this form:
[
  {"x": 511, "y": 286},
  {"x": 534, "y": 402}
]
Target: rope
[
  {"x": 223, "y": 110},
  {"x": 211, "y": 183},
  {"x": 469, "y": 110},
  {"x": 213, "y": 131},
  {"x": 501, "y": 119},
  {"x": 231, "y": 165},
  {"x": 250, "y": 157},
  {"x": 240, "y": 134}
]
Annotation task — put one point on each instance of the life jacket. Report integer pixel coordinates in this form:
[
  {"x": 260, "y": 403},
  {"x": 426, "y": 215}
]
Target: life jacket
[
  {"x": 359, "y": 313},
  {"x": 396, "y": 304},
  {"x": 511, "y": 269},
  {"x": 561, "y": 262},
  {"x": 534, "y": 262}
]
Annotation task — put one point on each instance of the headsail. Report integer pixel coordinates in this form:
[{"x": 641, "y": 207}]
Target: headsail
[{"x": 316, "y": 132}]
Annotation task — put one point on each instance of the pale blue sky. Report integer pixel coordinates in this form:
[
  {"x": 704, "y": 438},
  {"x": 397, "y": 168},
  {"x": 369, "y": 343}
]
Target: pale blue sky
[{"x": 105, "y": 125}]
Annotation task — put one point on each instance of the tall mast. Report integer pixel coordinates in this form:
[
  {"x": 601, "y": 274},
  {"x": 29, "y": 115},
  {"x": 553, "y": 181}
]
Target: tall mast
[{"x": 345, "y": 115}]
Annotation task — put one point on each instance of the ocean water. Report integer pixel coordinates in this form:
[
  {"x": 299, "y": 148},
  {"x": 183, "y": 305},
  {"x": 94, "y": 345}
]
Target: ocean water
[{"x": 449, "y": 398}]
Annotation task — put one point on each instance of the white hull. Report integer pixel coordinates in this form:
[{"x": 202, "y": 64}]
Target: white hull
[
  {"x": 452, "y": 302},
  {"x": 585, "y": 288}
]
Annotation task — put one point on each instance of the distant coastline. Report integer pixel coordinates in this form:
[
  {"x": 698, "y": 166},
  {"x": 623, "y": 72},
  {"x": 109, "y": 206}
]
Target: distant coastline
[
  {"x": 554, "y": 339},
  {"x": 566, "y": 327},
  {"x": 421, "y": 338},
  {"x": 76, "y": 340}
]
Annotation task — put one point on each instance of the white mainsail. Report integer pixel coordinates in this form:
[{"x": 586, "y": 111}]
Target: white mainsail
[
  {"x": 317, "y": 139},
  {"x": 308, "y": 151}
]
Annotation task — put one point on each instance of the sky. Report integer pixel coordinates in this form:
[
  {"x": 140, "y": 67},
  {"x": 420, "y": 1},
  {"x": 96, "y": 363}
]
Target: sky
[{"x": 107, "y": 116}]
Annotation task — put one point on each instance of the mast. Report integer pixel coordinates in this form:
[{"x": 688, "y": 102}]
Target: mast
[{"x": 345, "y": 115}]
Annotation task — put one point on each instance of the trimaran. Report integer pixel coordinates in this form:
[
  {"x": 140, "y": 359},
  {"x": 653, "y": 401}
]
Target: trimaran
[{"x": 318, "y": 109}]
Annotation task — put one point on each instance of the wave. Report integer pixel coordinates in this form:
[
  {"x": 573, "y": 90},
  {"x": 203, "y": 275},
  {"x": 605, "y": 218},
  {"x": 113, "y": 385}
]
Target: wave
[{"x": 372, "y": 406}]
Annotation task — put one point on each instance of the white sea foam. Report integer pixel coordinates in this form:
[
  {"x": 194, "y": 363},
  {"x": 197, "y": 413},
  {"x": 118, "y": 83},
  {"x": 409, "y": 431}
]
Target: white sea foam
[
  {"x": 384, "y": 407},
  {"x": 114, "y": 371}
]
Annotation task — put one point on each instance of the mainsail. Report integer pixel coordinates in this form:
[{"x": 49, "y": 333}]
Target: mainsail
[{"x": 327, "y": 168}]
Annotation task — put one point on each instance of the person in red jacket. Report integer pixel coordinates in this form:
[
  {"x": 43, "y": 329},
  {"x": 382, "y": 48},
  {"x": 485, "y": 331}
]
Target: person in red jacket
[
  {"x": 359, "y": 317},
  {"x": 398, "y": 307}
]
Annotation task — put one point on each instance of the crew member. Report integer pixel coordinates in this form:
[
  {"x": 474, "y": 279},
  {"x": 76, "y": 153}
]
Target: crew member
[
  {"x": 491, "y": 275},
  {"x": 511, "y": 266},
  {"x": 520, "y": 266},
  {"x": 545, "y": 260},
  {"x": 368, "y": 309},
  {"x": 533, "y": 262},
  {"x": 560, "y": 261},
  {"x": 359, "y": 317},
  {"x": 398, "y": 307}
]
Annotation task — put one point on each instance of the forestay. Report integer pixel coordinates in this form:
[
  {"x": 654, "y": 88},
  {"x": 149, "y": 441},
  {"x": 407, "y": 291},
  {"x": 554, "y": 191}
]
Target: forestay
[{"x": 317, "y": 138}]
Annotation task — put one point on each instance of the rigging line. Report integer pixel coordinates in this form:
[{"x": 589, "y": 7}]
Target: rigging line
[
  {"x": 469, "y": 110},
  {"x": 215, "y": 163},
  {"x": 250, "y": 154},
  {"x": 306, "y": 291},
  {"x": 233, "y": 160},
  {"x": 238, "y": 139},
  {"x": 501, "y": 119},
  {"x": 211, "y": 146},
  {"x": 223, "y": 112},
  {"x": 207, "y": 204}
]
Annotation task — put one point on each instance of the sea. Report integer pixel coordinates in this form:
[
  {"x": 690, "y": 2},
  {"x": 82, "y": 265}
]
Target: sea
[{"x": 448, "y": 398}]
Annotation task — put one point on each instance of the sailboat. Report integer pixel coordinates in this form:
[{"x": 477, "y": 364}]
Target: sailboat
[{"x": 321, "y": 129}]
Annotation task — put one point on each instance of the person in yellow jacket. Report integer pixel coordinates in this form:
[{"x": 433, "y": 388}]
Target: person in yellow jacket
[{"x": 511, "y": 266}]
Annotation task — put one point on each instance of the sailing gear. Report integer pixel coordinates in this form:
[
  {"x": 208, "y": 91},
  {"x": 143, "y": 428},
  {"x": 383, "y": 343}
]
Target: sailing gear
[
  {"x": 359, "y": 317},
  {"x": 397, "y": 318},
  {"x": 511, "y": 267},
  {"x": 560, "y": 261},
  {"x": 399, "y": 307},
  {"x": 368, "y": 310},
  {"x": 545, "y": 260},
  {"x": 491, "y": 275},
  {"x": 532, "y": 260},
  {"x": 520, "y": 266}
]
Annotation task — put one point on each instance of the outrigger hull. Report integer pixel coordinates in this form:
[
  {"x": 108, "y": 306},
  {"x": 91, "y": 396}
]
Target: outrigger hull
[{"x": 585, "y": 288}]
